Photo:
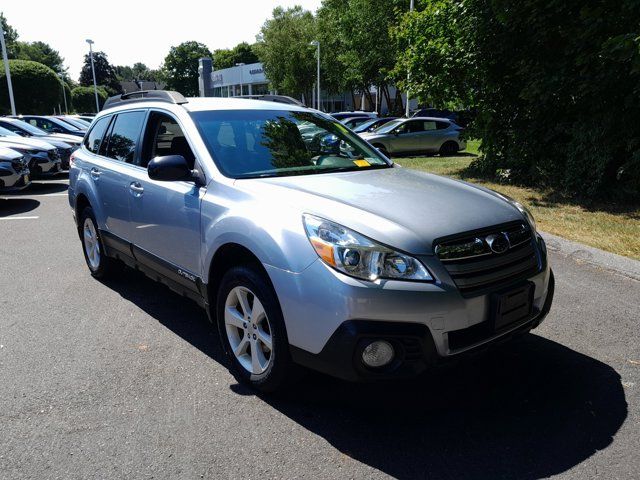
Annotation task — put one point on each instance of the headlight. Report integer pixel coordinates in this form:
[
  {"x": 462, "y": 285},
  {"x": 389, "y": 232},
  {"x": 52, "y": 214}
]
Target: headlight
[{"x": 359, "y": 256}]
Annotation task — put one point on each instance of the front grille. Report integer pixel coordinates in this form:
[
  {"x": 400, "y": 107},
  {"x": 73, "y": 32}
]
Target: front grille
[
  {"x": 54, "y": 155},
  {"x": 492, "y": 258}
]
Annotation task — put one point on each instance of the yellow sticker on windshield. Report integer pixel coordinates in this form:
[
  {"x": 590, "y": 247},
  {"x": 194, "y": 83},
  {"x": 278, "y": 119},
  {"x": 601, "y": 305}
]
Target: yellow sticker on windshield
[{"x": 362, "y": 163}]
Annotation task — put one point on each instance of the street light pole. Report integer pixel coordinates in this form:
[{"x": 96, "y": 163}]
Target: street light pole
[
  {"x": 64, "y": 94},
  {"x": 316, "y": 43},
  {"x": 93, "y": 72},
  {"x": 407, "y": 107},
  {"x": 241, "y": 79},
  {"x": 8, "y": 73}
]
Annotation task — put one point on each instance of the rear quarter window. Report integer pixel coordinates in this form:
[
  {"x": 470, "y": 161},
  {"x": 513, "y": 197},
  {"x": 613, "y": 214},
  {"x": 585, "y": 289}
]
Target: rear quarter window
[{"x": 94, "y": 138}]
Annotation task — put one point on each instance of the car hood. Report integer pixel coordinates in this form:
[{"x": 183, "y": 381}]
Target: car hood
[
  {"x": 62, "y": 137},
  {"x": 402, "y": 208},
  {"x": 26, "y": 142},
  {"x": 368, "y": 136},
  {"x": 56, "y": 142},
  {"x": 8, "y": 154}
]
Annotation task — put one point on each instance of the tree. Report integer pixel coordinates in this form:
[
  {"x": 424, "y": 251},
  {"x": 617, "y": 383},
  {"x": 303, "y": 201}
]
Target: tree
[
  {"x": 105, "y": 73},
  {"x": 180, "y": 68},
  {"x": 241, "y": 53},
  {"x": 285, "y": 51},
  {"x": 10, "y": 36},
  {"x": 36, "y": 88},
  {"x": 84, "y": 100},
  {"x": 139, "y": 71},
  {"x": 555, "y": 85},
  {"x": 43, "y": 53}
]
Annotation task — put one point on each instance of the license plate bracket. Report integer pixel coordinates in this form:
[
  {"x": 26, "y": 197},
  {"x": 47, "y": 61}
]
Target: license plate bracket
[{"x": 512, "y": 305}]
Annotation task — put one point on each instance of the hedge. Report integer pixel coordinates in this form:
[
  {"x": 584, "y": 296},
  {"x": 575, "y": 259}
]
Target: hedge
[
  {"x": 83, "y": 98},
  {"x": 36, "y": 88}
]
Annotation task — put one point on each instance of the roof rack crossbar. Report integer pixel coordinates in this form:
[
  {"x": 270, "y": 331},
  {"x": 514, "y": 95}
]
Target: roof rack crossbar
[{"x": 145, "y": 96}]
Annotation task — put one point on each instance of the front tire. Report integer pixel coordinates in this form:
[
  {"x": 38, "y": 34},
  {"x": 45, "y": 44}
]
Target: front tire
[
  {"x": 252, "y": 329},
  {"x": 99, "y": 264},
  {"x": 448, "y": 148}
]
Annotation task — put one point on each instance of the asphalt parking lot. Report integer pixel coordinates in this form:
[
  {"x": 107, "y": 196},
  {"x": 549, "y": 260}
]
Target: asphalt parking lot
[{"x": 124, "y": 380}]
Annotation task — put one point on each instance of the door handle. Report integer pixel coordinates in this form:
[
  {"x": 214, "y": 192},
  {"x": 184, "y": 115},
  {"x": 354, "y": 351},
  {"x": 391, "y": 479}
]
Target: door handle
[
  {"x": 136, "y": 189},
  {"x": 95, "y": 173}
]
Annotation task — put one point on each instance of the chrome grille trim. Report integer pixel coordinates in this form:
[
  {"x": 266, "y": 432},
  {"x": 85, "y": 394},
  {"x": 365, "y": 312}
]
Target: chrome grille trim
[{"x": 487, "y": 270}]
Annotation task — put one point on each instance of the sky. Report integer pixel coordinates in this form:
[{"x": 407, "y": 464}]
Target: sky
[{"x": 130, "y": 31}]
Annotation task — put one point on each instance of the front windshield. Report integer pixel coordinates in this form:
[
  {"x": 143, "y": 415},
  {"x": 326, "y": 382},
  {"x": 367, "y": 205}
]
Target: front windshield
[
  {"x": 272, "y": 143},
  {"x": 7, "y": 133},
  {"x": 387, "y": 127},
  {"x": 70, "y": 123},
  {"x": 363, "y": 127},
  {"x": 30, "y": 129}
]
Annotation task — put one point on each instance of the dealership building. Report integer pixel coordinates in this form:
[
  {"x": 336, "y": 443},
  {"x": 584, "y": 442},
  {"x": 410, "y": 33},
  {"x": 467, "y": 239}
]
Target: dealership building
[{"x": 250, "y": 80}]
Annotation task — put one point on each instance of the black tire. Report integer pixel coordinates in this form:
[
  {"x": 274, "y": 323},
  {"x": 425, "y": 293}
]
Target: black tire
[
  {"x": 449, "y": 148},
  {"x": 105, "y": 267},
  {"x": 280, "y": 369}
]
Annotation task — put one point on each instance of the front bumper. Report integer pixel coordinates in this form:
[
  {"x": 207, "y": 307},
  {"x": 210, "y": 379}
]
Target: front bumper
[
  {"x": 11, "y": 181},
  {"x": 44, "y": 166},
  {"x": 413, "y": 344},
  {"x": 327, "y": 314}
]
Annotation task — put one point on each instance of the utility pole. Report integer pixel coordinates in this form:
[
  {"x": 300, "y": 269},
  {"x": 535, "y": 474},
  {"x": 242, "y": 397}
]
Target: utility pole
[
  {"x": 407, "y": 107},
  {"x": 8, "y": 73},
  {"x": 93, "y": 72},
  {"x": 64, "y": 94}
]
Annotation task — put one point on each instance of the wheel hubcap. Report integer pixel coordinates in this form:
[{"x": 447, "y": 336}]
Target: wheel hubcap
[
  {"x": 248, "y": 330},
  {"x": 91, "y": 244}
]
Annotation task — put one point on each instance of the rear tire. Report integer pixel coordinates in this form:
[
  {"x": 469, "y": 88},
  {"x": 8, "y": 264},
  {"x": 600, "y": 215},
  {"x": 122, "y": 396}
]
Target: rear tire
[
  {"x": 252, "y": 330},
  {"x": 99, "y": 264},
  {"x": 448, "y": 148}
]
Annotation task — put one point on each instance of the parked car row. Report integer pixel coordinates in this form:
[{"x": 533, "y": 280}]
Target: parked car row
[{"x": 36, "y": 146}]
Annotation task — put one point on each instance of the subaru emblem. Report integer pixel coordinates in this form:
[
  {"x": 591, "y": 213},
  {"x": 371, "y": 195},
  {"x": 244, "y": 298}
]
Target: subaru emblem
[{"x": 498, "y": 243}]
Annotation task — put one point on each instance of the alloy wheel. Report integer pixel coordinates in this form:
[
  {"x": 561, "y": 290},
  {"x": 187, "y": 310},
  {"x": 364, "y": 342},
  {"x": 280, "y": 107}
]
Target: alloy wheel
[
  {"x": 248, "y": 330},
  {"x": 91, "y": 244}
]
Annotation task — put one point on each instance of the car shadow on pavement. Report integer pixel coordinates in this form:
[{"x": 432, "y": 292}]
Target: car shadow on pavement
[
  {"x": 525, "y": 410},
  {"x": 528, "y": 409},
  {"x": 16, "y": 206}
]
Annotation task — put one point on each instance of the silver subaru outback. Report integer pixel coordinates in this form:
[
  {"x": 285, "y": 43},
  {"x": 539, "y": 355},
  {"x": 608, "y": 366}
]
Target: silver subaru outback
[{"x": 306, "y": 245}]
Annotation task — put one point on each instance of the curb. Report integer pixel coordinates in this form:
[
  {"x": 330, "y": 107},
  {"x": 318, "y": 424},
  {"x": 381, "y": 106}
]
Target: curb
[{"x": 624, "y": 266}]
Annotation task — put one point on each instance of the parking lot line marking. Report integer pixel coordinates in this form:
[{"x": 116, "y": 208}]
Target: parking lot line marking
[{"x": 19, "y": 218}]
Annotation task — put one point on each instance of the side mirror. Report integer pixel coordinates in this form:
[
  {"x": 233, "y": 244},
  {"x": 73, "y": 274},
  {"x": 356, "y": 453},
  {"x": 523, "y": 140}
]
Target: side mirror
[{"x": 170, "y": 168}]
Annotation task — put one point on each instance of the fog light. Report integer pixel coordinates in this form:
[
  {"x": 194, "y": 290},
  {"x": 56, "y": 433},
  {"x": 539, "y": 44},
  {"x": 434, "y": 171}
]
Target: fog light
[{"x": 377, "y": 354}]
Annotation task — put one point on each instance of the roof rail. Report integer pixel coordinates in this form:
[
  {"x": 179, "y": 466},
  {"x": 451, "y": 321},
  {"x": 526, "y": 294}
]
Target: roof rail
[
  {"x": 145, "y": 96},
  {"x": 274, "y": 98}
]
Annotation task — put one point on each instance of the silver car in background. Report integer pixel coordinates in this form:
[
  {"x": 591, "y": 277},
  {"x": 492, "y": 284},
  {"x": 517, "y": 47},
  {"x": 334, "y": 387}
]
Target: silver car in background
[
  {"x": 42, "y": 157},
  {"x": 14, "y": 171},
  {"x": 417, "y": 135}
]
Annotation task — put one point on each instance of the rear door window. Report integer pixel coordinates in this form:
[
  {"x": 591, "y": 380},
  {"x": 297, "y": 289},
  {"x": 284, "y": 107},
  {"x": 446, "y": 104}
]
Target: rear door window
[
  {"x": 93, "y": 140},
  {"x": 124, "y": 136}
]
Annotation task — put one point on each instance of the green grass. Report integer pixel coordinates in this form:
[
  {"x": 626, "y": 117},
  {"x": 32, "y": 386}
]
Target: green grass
[{"x": 608, "y": 226}]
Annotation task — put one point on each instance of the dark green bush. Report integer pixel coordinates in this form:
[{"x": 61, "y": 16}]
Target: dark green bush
[
  {"x": 556, "y": 84},
  {"x": 36, "y": 88},
  {"x": 83, "y": 98}
]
